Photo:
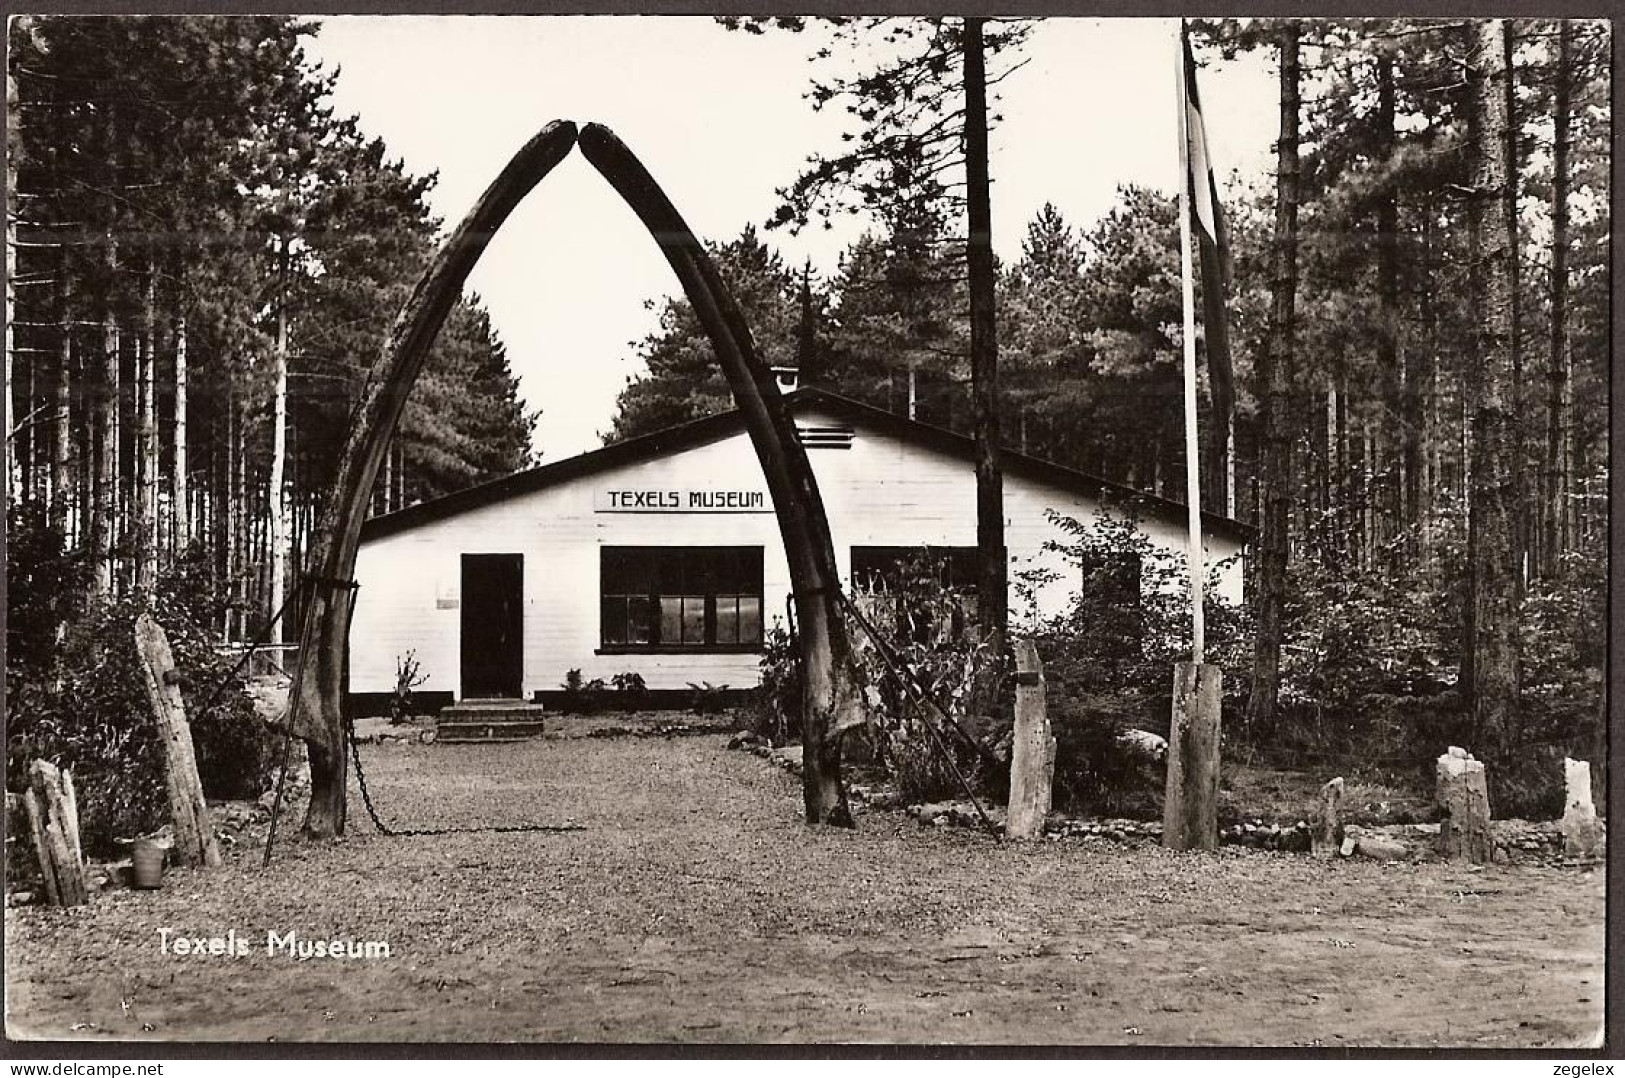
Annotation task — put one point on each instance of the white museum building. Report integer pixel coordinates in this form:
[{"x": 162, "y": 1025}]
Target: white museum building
[{"x": 661, "y": 555}]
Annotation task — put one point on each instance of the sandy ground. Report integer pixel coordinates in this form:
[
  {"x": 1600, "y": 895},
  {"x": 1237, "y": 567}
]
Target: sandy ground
[{"x": 696, "y": 907}]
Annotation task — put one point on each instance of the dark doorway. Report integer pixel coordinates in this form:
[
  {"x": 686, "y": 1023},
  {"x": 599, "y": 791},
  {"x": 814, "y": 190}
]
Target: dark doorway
[{"x": 493, "y": 624}]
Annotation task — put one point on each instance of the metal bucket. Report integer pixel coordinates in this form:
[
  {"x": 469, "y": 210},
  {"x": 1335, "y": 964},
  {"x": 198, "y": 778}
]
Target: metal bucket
[{"x": 147, "y": 864}]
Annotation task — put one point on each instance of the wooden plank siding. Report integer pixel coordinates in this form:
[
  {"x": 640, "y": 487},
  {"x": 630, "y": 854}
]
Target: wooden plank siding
[{"x": 885, "y": 490}]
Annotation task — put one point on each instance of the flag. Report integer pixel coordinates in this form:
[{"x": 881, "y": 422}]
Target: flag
[{"x": 1213, "y": 243}]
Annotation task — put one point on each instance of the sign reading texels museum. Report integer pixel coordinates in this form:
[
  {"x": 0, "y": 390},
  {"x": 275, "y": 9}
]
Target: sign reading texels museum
[{"x": 680, "y": 501}]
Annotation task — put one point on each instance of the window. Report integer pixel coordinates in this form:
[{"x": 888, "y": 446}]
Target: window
[
  {"x": 680, "y": 598},
  {"x": 888, "y": 569},
  {"x": 1110, "y": 593},
  {"x": 928, "y": 593},
  {"x": 1111, "y": 576}
]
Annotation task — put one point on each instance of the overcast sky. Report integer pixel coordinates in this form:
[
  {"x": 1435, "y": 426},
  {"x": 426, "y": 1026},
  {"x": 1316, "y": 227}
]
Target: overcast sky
[{"x": 719, "y": 119}]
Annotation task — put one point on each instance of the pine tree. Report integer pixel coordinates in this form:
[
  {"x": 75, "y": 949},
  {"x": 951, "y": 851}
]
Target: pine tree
[
  {"x": 1276, "y": 372},
  {"x": 683, "y": 381},
  {"x": 1491, "y": 661}
]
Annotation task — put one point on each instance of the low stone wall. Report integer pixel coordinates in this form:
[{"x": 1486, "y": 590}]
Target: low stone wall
[{"x": 1516, "y": 841}]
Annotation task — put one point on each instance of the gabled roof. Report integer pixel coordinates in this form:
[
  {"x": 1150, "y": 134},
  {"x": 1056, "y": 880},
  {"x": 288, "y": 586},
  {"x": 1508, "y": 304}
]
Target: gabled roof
[{"x": 714, "y": 428}]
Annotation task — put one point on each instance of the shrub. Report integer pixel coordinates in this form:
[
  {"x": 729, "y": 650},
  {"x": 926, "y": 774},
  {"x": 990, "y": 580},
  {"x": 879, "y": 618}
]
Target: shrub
[
  {"x": 929, "y": 639},
  {"x": 708, "y": 699},
  {"x": 408, "y": 676},
  {"x": 582, "y": 697},
  {"x": 919, "y": 764},
  {"x": 1095, "y": 772},
  {"x": 631, "y": 693},
  {"x": 775, "y": 707},
  {"x": 1109, "y": 658},
  {"x": 82, "y": 704}
]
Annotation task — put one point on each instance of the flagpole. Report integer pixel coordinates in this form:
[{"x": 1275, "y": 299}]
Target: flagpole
[{"x": 1193, "y": 474}]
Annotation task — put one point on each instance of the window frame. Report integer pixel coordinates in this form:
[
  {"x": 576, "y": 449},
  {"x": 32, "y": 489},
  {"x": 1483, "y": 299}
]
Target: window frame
[
  {"x": 957, "y": 566},
  {"x": 713, "y": 573}
]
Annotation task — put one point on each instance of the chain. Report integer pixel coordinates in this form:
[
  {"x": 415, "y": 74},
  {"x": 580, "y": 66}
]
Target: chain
[
  {"x": 903, "y": 672},
  {"x": 419, "y": 832}
]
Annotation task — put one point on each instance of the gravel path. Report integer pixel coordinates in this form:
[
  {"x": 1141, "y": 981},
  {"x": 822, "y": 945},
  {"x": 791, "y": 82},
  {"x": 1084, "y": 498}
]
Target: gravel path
[{"x": 695, "y": 906}]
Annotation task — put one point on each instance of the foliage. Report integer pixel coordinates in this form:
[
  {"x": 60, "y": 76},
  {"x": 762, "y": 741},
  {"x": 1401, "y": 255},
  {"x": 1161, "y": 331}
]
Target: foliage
[
  {"x": 1096, "y": 773},
  {"x": 188, "y": 184},
  {"x": 44, "y": 586},
  {"x": 708, "y": 699},
  {"x": 775, "y": 709},
  {"x": 408, "y": 676},
  {"x": 683, "y": 379},
  {"x": 931, "y": 652},
  {"x": 1128, "y": 621},
  {"x": 906, "y": 104},
  {"x": 630, "y": 691},
  {"x": 583, "y": 697},
  {"x": 1109, "y": 656},
  {"x": 82, "y": 703}
]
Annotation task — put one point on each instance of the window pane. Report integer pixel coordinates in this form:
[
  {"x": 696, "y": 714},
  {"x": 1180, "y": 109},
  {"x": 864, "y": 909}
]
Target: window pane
[
  {"x": 727, "y": 619},
  {"x": 693, "y": 619},
  {"x": 612, "y": 618},
  {"x": 750, "y": 619},
  {"x": 884, "y": 569},
  {"x": 671, "y": 619},
  {"x": 639, "y": 619}
]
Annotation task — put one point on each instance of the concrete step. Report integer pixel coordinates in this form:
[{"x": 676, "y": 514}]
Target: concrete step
[
  {"x": 465, "y": 731},
  {"x": 492, "y": 711}
]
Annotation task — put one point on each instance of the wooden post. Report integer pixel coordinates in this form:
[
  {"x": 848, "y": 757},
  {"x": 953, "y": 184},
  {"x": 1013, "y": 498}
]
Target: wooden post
[
  {"x": 1327, "y": 837},
  {"x": 1464, "y": 833},
  {"x": 1190, "y": 807},
  {"x": 194, "y": 837},
  {"x": 1032, "y": 757},
  {"x": 42, "y": 848},
  {"x": 1581, "y": 837},
  {"x": 53, "y": 820}
]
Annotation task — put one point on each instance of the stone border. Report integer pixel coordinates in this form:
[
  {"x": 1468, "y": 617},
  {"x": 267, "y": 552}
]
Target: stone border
[{"x": 1516, "y": 841}]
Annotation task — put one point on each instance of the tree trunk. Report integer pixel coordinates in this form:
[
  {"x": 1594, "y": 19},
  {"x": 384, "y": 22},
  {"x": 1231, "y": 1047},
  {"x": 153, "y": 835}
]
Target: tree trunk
[
  {"x": 389, "y": 482},
  {"x": 833, "y": 698},
  {"x": 62, "y": 432},
  {"x": 1434, "y": 432},
  {"x": 1368, "y": 497},
  {"x": 1520, "y": 460},
  {"x": 1391, "y": 428},
  {"x": 233, "y": 514},
  {"x": 6, "y": 420},
  {"x": 1492, "y": 636},
  {"x": 180, "y": 491},
  {"x": 103, "y": 514},
  {"x": 1556, "y": 491},
  {"x": 1276, "y": 371},
  {"x": 1413, "y": 458},
  {"x": 1229, "y": 466},
  {"x": 992, "y": 585},
  {"x": 146, "y": 462},
  {"x": 276, "y": 506}
]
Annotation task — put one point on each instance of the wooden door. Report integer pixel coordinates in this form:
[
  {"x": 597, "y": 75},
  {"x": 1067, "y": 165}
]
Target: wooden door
[{"x": 493, "y": 625}]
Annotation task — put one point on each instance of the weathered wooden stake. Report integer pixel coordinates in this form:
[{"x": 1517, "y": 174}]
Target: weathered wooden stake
[
  {"x": 1032, "y": 756},
  {"x": 1581, "y": 836},
  {"x": 1190, "y": 806},
  {"x": 53, "y": 821},
  {"x": 1464, "y": 833},
  {"x": 194, "y": 835},
  {"x": 1327, "y": 837},
  {"x": 42, "y": 848}
]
